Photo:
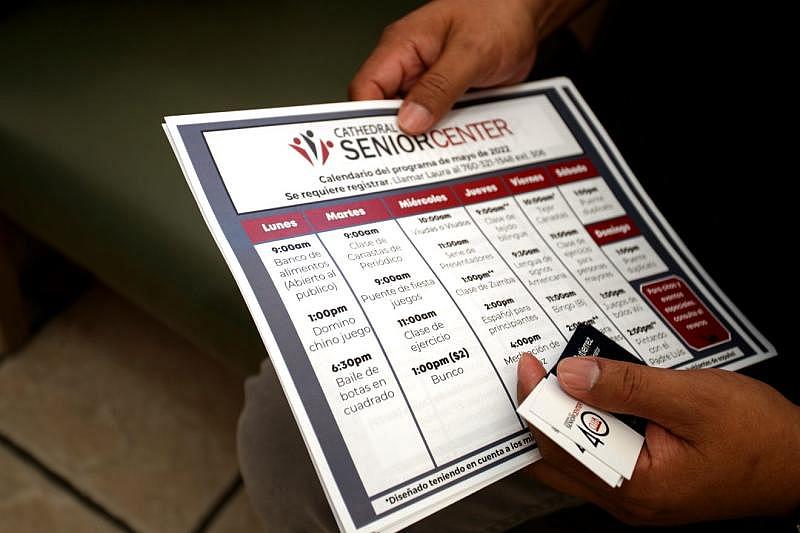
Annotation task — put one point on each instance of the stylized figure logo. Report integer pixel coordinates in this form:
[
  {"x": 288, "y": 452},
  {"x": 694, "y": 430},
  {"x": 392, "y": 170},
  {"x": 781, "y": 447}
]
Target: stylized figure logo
[{"x": 312, "y": 152}]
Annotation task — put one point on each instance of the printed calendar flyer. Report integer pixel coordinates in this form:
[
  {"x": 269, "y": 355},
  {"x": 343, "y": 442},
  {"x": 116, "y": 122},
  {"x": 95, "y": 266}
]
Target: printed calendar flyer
[{"x": 395, "y": 279}]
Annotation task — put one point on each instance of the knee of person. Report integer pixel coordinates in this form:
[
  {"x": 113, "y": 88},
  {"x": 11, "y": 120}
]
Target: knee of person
[
  {"x": 259, "y": 447},
  {"x": 266, "y": 434},
  {"x": 246, "y": 438},
  {"x": 280, "y": 481}
]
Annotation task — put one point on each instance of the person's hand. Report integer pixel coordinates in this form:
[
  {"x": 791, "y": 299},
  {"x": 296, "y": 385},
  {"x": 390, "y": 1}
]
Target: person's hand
[
  {"x": 718, "y": 444},
  {"x": 434, "y": 54}
]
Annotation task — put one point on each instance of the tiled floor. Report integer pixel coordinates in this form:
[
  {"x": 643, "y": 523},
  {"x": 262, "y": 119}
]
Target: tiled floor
[
  {"x": 31, "y": 502},
  {"x": 109, "y": 421}
]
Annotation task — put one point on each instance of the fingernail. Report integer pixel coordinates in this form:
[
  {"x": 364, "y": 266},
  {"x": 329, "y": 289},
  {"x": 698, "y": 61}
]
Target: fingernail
[
  {"x": 414, "y": 117},
  {"x": 578, "y": 373}
]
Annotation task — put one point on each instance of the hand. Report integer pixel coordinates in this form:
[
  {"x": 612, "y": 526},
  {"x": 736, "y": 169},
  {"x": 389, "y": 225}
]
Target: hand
[
  {"x": 718, "y": 445},
  {"x": 434, "y": 54}
]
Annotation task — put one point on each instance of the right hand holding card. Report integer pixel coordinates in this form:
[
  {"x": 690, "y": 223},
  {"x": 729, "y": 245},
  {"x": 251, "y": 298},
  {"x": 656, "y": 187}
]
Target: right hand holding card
[{"x": 606, "y": 444}]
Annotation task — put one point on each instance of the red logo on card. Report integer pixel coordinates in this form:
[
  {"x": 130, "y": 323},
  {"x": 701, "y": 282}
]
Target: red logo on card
[
  {"x": 594, "y": 423},
  {"x": 312, "y": 151}
]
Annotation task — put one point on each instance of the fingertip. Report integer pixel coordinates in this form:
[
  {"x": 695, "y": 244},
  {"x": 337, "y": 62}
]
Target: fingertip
[
  {"x": 527, "y": 362},
  {"x": 529, "y": 373}
]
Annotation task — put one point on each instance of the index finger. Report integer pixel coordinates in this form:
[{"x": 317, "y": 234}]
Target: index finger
[
  {"x": 529, "y": 373},
  {"x": 381, "y": 75},
  {"x": 391, "y": 66}
]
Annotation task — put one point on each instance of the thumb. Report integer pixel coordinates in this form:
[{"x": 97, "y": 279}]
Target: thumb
[
  {"x": 435, "y": 92},
  {"x": 667, "y": 397}
]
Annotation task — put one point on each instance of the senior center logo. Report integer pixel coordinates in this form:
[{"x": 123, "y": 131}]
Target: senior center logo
[{"x": 313, "y": 151}]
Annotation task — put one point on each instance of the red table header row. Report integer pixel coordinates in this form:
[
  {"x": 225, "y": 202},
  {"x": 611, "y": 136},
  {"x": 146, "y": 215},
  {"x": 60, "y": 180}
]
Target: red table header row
[
  {"x": 343, "y": 215},
  {"x": 276, "y": 227},
  {"x": 293, "y": 224},
  {"x": 414, "y": 203},
  {"x": 613, "y": 230},
  {"x": 568, "y": 171}
]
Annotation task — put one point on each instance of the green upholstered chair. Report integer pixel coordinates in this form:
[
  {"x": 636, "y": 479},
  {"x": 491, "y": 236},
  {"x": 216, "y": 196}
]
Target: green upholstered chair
[{"x": 86, "y": 166}]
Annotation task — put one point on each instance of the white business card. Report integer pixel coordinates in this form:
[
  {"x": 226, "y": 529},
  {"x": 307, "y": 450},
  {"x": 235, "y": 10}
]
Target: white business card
[{"x": 598, "y": 432}]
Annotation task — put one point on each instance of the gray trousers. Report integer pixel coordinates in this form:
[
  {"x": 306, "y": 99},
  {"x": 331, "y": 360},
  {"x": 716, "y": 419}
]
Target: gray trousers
[{"x": 286, "y": 494}]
